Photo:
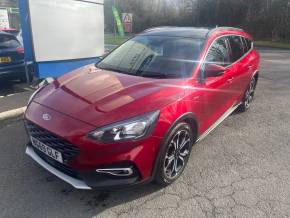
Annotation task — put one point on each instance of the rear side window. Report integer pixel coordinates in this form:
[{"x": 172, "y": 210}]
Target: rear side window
[
  {"x": 248, "y": 44},
  {"x": 237, "y": 48},
  {"x": 219, "y": 53},
  {"x": 7, "y": 41}
]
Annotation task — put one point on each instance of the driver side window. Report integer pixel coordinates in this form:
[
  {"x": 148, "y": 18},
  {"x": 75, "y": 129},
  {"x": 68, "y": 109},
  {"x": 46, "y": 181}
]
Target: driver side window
[{"x": 219, "y": 53}]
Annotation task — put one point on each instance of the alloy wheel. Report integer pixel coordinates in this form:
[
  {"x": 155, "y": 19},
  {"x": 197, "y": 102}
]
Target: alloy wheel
[
  {"x": 250, "y": 94},
  {"x": 177, "y": 154}
]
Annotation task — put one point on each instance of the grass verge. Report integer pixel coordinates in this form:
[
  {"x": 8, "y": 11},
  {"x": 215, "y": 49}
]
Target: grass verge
[
  {"x": 115, "y": 40},
  {"x": 271, "y": 44}
]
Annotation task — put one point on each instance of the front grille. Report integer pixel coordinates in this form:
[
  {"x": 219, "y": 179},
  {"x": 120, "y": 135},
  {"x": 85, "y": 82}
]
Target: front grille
[{"x": 67, "y": 149}]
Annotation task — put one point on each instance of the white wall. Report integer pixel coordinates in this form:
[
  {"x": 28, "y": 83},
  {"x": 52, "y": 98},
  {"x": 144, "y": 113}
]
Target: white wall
[
  {"x": 4, "y": 19},
  {"x": 67, "y": 29}
]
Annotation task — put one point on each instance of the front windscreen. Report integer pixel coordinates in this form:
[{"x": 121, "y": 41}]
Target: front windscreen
[{"x": 155, "y": 56}]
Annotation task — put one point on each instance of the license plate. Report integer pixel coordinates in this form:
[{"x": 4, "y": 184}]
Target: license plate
[
  {"x": 5, "y": 59},
  {"x": 54, "y": 154}
]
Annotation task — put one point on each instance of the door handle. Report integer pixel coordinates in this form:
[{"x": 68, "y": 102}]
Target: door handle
[{"x": 230, "y": 80}]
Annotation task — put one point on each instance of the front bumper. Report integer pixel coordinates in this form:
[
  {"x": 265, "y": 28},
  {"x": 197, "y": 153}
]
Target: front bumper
[
  {"x": 86, "y": 169},
  {"x": 77, "y": 183},
  {"x": 86, "y": 180},
  {"x": 13, "y": 71}
]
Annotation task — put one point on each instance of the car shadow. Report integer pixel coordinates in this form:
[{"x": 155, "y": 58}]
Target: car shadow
[
  {"x": 94, "y": 202},
  {"x": 34, "y": 192},
  {"x": 8, "y": 87}
]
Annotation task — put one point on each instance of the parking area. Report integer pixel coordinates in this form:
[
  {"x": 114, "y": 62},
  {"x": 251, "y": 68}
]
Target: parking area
[
  {"x": 242, "y": 169},
  {"x": 11, "y": 87}
]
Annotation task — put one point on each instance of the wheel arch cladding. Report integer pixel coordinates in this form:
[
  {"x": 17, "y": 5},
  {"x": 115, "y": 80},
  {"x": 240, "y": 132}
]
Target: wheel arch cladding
[
  {"x": 256, "y": 76},
  {"x": 189, "y": 118}
]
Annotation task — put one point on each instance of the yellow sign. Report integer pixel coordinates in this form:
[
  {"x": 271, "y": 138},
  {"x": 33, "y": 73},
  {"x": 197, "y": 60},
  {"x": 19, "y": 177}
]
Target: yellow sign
[{"x": 5, "y": 59}]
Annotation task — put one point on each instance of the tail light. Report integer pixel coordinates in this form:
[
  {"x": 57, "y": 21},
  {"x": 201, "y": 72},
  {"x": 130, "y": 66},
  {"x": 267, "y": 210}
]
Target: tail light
[{"x": 20, "y": 50}]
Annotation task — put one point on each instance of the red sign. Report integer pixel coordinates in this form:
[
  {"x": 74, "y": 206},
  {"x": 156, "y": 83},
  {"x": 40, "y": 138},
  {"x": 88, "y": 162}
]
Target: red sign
[{"x": 127, "y": 20}]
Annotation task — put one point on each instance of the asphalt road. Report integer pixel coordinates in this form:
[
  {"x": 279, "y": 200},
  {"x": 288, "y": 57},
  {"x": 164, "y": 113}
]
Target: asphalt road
[
  {"x": 8, "y": 87},
  {"x": 242, "y": 169}
]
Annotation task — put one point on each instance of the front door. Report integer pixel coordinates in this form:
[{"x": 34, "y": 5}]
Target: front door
[{"x": 217, "y": 95}]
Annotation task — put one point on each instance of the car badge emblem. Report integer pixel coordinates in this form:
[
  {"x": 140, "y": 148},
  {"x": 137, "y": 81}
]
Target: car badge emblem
[{"x": 46, "y": 117}]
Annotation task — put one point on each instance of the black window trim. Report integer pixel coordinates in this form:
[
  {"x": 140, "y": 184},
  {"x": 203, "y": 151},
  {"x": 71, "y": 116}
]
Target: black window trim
[
  {"x": 252, "y": 43},
  {"x": 245, "y": 46}
]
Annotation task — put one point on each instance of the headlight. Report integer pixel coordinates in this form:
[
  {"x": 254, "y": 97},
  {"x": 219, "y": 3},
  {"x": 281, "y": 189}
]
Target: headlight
[
  {"x": 40, "y": 86},
  {"x": 132, "y": 129}
]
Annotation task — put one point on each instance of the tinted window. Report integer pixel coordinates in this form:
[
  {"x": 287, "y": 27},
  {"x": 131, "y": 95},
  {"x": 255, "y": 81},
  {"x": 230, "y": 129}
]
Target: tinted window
[
  {"x": 249, "y": 44},
  {"x": 218, "y": 53},
  {"x": 246, "y": 44},
  {"x": 237, "y": 50},
  {"x": 7, "y": 41},
  {"x": 155, "y": 56}
]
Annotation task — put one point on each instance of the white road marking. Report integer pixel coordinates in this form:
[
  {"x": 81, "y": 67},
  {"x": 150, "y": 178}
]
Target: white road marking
[
  {"x": 10, "y": 95},
  {"x": 272, "y": 55},
  {"x": 29, "y": 89},
  {"x": 277, "y": 61}
]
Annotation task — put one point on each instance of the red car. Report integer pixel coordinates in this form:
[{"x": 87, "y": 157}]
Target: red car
[{"x": 134, "y": 116}]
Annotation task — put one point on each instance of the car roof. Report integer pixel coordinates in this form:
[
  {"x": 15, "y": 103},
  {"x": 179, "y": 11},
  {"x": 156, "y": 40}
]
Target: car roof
[{"x": 190, "y": 32}]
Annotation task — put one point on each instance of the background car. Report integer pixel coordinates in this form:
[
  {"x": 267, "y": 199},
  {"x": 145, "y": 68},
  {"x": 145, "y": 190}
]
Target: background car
[
  {"x": 15, "y": 32},
  {"x": 12, "y": 58},
  {"x": 12, "y": 31}
]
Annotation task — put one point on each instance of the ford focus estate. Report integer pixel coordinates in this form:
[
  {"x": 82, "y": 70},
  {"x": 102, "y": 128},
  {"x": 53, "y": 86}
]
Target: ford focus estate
[{"x": 133, "y": 117}]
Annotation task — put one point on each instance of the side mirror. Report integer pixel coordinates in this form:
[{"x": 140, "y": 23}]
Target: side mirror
[{"x": 214, "y": 70}]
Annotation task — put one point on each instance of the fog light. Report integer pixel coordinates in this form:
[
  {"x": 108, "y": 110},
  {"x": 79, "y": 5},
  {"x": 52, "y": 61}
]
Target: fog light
[{"x": 117, "y": 171}]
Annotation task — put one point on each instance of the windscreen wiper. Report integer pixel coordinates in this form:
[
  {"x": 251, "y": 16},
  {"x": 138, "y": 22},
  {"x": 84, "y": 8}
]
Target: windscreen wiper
[
  {"x": 154, "y": 75},
  {"x": 113, "y": 69}
]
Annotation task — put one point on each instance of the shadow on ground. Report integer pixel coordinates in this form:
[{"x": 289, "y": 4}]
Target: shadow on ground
[
  {"x": 8, "y": 87},
  {"x": 37, "y": 193}
]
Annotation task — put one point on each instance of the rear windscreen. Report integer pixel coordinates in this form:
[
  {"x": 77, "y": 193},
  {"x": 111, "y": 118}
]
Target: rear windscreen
[{"x": 8, "y": 42}]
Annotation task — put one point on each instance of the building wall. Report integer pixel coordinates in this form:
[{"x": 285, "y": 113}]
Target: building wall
[{"x": 14, "y": 19}]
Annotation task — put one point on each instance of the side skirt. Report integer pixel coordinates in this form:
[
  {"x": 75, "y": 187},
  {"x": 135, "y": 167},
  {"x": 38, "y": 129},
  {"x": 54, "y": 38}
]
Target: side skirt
[{"x": 218, "y": 122}]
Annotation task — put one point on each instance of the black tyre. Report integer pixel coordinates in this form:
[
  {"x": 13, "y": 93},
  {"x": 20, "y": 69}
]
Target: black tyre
[
  {"x": 175, "y": 153},
  {"x": 248, "y": 97},
  {"x": 23, "y": 79}
]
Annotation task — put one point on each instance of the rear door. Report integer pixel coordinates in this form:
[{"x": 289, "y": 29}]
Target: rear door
[
  {"x": 249, "y": 60},
  {"x": 241, "y": 65},
  {"x": 11, "y": 51}
]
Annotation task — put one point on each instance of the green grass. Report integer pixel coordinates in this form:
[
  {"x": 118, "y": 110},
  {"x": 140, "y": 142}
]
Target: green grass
[
  {"x": 115, "y": 40},
  {"x": 271, "y": 44}
]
